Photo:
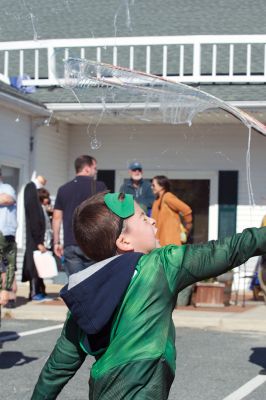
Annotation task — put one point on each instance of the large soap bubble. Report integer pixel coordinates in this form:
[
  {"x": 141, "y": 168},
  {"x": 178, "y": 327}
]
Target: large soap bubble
[{"x": 165, "y": 101}]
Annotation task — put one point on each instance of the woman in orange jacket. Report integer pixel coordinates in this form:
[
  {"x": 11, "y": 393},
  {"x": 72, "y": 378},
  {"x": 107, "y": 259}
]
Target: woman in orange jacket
[{"x": 167, "y": 210}]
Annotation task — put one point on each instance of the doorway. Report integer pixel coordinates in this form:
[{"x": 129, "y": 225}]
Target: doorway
[
  {"x": 196, "y": 193},
  {"x": 197, "y": 188},
  {"x": 108, "y": 177}
]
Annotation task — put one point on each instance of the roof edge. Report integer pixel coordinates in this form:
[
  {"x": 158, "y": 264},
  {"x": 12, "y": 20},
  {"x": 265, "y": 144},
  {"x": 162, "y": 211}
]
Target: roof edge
[
  {"x": 23, "y": 104},
  {"x": 136, "y": 106}
]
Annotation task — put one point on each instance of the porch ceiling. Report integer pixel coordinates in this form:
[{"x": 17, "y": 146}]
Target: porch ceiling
[
  {"x": 116, "y": 116},
  {"x": 86, "y": 107}
]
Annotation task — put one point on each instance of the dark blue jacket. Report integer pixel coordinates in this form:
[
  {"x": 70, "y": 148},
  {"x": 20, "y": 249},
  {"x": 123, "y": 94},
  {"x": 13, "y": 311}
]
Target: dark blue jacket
[{"x": 143, "y": 194}]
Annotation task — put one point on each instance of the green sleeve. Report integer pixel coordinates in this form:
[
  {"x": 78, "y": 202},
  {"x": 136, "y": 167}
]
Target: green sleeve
[
  {"x": 66, "y": 358},
  {"x": 185, "y": 265}
]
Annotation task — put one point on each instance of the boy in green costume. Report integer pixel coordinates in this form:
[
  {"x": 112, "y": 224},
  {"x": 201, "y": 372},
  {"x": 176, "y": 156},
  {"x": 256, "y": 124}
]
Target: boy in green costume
[{"x": 121, "y": 307}]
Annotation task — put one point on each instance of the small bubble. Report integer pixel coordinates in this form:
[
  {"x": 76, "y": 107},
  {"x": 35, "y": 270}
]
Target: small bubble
[
  {"x": 95, "y": 143},
  {"x": 17, "y": 119}
]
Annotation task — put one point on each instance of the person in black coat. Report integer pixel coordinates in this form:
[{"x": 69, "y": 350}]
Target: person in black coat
[{"x": 35, "y": 231}]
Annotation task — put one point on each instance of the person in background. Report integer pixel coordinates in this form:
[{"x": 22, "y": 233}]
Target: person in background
[
  {"x": 44, "y": 197},
  {"x": 35, "y": 232},
  {"x": 258, "y": 281},
  {"x": 138, "y": 187},
  {"x": 171, "y": 214},
  {"x": 8, "y": 247},
  {"x": 69, "y": 196}
]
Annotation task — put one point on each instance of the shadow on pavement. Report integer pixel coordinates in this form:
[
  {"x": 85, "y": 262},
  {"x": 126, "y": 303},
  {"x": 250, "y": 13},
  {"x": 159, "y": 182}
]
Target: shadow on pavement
[
  {"x": 258, "y": 357},
  {"x": 7, "y": 336},
  {"x": 9, "y": 359},
  {"x": 21, "y": 301}
]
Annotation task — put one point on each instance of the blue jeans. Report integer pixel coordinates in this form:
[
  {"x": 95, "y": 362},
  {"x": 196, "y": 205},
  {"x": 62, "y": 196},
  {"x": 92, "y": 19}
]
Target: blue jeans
[{"x": 75, "y": 260}]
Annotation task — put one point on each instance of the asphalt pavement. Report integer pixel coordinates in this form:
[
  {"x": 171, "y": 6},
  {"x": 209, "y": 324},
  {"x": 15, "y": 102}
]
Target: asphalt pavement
[
  {"x": 245, "y": 316},
  {"x": 210, "y": 364}
]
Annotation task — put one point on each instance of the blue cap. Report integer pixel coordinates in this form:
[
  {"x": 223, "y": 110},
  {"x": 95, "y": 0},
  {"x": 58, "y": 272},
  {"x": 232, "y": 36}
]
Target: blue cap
[{"x": 135, "y": 165}]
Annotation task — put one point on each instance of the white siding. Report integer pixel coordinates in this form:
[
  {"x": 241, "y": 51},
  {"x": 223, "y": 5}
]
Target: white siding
[
  {"x": 179, "y": 151},
  {"x": 165, "y": 148},
  {"x": 14, "y": 152},
  {"x": 15, "y": 139},
  {"x": 49, "y": 158},
  {"x": 51, "y": 155}
]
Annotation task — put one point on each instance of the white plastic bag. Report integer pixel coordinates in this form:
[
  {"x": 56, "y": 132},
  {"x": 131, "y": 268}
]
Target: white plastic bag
[{"x": 45, "y": 264}]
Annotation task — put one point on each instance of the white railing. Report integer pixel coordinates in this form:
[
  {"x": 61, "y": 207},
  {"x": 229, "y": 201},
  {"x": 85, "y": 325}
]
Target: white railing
[{"x": 189, "y": 59}]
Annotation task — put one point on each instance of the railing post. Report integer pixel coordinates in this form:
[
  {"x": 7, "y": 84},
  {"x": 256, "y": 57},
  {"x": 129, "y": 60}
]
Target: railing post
[
  {"x": 21, "y": 62},
  {"x": 148, "y": 59},
  {"x": 196, "y": 60},
  {"x": 51, "y": 64},
  {"x": 131, "y": 57},
  {"x": 36, "y": 64},
  {"x": 231, "y": 60},
  {"x": 214, "y": 59},
  {"x": 248, "y": 60},
  {"x": 6, "y": 64},
  {"x": 98, "y": 54},
  {"x": 181, "y": 62},
  {"x": 265, "y": 60},
  {"x": 165, "y": 61},
  {"x": 114, "y": 55}
]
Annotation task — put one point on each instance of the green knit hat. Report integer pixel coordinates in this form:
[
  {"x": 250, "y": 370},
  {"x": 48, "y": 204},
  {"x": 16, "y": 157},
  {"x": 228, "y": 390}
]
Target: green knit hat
[{"x": 120, "y": 204}]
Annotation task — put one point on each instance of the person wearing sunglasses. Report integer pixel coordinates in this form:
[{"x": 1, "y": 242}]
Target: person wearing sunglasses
[{"x": 139, "y": 187}]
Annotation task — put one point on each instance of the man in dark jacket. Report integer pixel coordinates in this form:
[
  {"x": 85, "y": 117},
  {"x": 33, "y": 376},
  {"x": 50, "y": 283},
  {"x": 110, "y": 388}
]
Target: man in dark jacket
[
  {"x": 35, "y": 231},
  {"x": 138, "y": 187},
  {"x": 69, "y": 196}
]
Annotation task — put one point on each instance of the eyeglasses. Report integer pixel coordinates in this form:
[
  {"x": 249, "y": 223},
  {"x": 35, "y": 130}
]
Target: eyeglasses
[{"x": 137, "y": 169}]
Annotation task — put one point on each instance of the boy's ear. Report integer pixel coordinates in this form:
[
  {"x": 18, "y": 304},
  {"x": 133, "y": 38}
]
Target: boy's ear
[{"x": 123, "y": 243}]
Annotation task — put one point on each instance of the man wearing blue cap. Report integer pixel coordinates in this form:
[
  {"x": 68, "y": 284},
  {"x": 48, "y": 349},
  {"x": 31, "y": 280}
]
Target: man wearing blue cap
[{"x": 138, "y": 187}]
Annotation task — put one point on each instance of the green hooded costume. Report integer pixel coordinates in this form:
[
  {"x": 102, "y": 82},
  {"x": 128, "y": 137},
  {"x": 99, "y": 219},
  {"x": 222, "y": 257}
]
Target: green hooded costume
[{"x": 134, "y": 345}]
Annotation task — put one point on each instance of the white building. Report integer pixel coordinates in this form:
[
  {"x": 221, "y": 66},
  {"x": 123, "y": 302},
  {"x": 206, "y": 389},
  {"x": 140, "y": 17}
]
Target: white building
[{"x": 207, "y": 161}]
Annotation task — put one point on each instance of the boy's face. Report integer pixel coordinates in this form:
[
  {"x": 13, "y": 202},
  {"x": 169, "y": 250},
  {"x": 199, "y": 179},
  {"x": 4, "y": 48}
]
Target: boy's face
[{"x": 140, "y": 231}]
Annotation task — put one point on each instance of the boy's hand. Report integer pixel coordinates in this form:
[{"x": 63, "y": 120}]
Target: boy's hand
[{"x": 4, "y": 297}]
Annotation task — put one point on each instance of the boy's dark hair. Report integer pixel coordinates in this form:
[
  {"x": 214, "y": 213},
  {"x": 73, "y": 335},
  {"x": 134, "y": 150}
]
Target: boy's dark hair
[
  {"x": 164, "y": 182},
  {"x": 43, "y": 194},
  {"x": 82, "y": 161},
  {"x": 96, "y": 228}
]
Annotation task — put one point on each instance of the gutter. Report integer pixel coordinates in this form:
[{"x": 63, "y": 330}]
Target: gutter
[
  {"x": 252, "y": 105},
  {"x": 25, "y": 105}
]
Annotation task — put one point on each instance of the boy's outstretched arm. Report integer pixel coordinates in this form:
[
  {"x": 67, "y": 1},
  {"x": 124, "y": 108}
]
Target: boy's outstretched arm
[
  {"x": 66, "y": 358},
  {"x": 192, "y": 263}
]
